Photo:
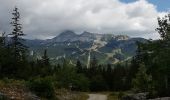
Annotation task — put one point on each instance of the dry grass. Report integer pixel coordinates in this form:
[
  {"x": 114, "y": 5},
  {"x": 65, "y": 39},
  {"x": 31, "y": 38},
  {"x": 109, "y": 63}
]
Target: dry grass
[
  {"x": 15, "y": 89},
  {"x": 116, "y": 95},
  {"x": 63, "y": 94}
]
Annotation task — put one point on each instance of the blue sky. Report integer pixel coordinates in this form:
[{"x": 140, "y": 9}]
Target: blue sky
[{"x": 162, "y": 5}]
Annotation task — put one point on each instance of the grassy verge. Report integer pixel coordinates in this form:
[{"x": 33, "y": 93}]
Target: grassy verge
[
  {"x": 113, "y": 96},
  {"x": 116, "y": 95},
  {"x": 63, "y": 94},
  {"x": 14, "y": 89},
  {"x": 18, "y": 89},
  {"x": 81, "y": 96}
]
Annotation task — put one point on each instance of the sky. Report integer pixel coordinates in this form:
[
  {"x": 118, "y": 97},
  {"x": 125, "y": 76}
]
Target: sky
[
  {"x": 44, "y": 19},
  {"x": 161, "y": 5}
]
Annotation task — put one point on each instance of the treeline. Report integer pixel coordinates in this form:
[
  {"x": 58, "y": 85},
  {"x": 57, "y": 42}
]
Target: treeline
[
  {"x": 154, "y": 60},
  {"x": 148, "y": 71}
]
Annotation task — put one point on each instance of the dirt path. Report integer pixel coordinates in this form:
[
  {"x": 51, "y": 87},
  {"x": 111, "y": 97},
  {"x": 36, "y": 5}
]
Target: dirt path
[{"x": 97, "y": 97}]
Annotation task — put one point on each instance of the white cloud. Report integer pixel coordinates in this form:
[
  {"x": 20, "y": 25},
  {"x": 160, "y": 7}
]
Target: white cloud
[{"x": 47, "y": 18}]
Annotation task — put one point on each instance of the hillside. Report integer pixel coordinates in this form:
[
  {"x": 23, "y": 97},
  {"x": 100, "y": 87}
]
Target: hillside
[{"x": 107, "y": 48}]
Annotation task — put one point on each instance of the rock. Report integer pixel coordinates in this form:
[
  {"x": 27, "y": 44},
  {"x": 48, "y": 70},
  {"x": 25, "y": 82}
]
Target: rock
[
  {"x": 139, "y": 96},
  {"x": 3, "y": 96},
  {"x": 30, "y": 96},
  {"x": 164, "y": 98}
]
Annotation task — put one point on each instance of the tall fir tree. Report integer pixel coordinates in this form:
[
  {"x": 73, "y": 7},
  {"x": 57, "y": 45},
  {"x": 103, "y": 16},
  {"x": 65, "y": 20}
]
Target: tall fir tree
[
  {"x": 45, "y": 58},
  {"x": 19, "y": 49},
  {"x": 79, "y": 67}
]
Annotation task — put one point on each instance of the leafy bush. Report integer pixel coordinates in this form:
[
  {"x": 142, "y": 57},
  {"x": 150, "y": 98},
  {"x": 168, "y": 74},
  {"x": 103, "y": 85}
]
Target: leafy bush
[{"x": 42, "y": 87}]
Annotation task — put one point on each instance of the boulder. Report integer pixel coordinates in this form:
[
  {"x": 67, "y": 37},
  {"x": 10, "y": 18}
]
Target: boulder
[
  {"x": 138, "y": 96},
  {"x": 164, "y": 98},
  {"x": 3, "y": 96}
]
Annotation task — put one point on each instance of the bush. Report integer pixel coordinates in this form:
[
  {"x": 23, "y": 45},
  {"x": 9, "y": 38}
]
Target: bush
[
  {"x": 97, "y": 83},
  {"x": 42, "y": 87},
  {"x": 80, "y": 83}
]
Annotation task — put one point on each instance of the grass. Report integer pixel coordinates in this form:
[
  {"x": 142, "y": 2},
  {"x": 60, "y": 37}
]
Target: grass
[
  {"x": 116, "y": 95},
  {"x": 17, "y": 89},
  {"x": 113, "y": 96},
  {"x": 63, "y": 94},
  {"x": 13, "y": 89},
  {"x": 81, "y": 96}
]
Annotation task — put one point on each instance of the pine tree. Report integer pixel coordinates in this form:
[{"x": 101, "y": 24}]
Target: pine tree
[
  {"x": 164, "y": 27},
  {"x": 155, "y": 55},
  {"x": 2, "y": 39},
  {"x": 2, "y": 49},
  {"x": 142, "y": 81},
  {"x": 45, "y": 58},
  {"x": 19, "y": 49},
  {"x": 79, "y": 67}
]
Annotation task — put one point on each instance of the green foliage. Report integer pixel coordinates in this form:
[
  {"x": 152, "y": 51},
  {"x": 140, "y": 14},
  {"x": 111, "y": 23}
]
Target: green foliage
[
  {"x": 45, "y": 58},
  {"x": 42, "y": 87},
  {"x": 142, "y": 82},
  {"x": 164, "y": 27},
  {"x": 155, "y": 56},
  {"x": 80, "y": 83},
  {"x": 67, "y": 76},
  {"x": 97, "y": 83},
  {"x": 13, "y": 54},
  {"x": 17, "y": 47}
]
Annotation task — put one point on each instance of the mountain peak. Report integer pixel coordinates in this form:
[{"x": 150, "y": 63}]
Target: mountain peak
[
  {"x": 70, "y": 36},
  {"x": 85, "y": 33},
  {"x": 67, "y": 32},
  {"x": 65, "y": 36},
  {"x": 122, "y": 37}
]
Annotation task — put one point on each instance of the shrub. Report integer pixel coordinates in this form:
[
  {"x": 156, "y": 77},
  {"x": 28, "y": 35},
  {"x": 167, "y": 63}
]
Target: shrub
[
  {"x": 42, "y": 87},
  {"x": 80, "y": 83}
]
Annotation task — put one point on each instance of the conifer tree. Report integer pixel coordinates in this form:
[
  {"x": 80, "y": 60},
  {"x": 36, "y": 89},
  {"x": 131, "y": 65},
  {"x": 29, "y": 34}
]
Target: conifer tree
[
  {"x": 142, "y": 81},
  {"x": 19, "y": 49},
  {"x": 164, "y": 27},
  {"x": 154, "y": 54},
  {"x": 2, "y": 39},
  {"x": 79, "y": 66},
  {"x": 45, "y": 58},
  {"x": 2, "y": 49}
]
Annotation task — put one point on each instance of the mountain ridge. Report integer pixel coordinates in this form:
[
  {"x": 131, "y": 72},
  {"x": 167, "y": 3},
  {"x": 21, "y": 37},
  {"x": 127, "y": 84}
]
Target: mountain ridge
[
  {"x": 71, "y": 36},
  {"x": 108, "y": 48}
]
